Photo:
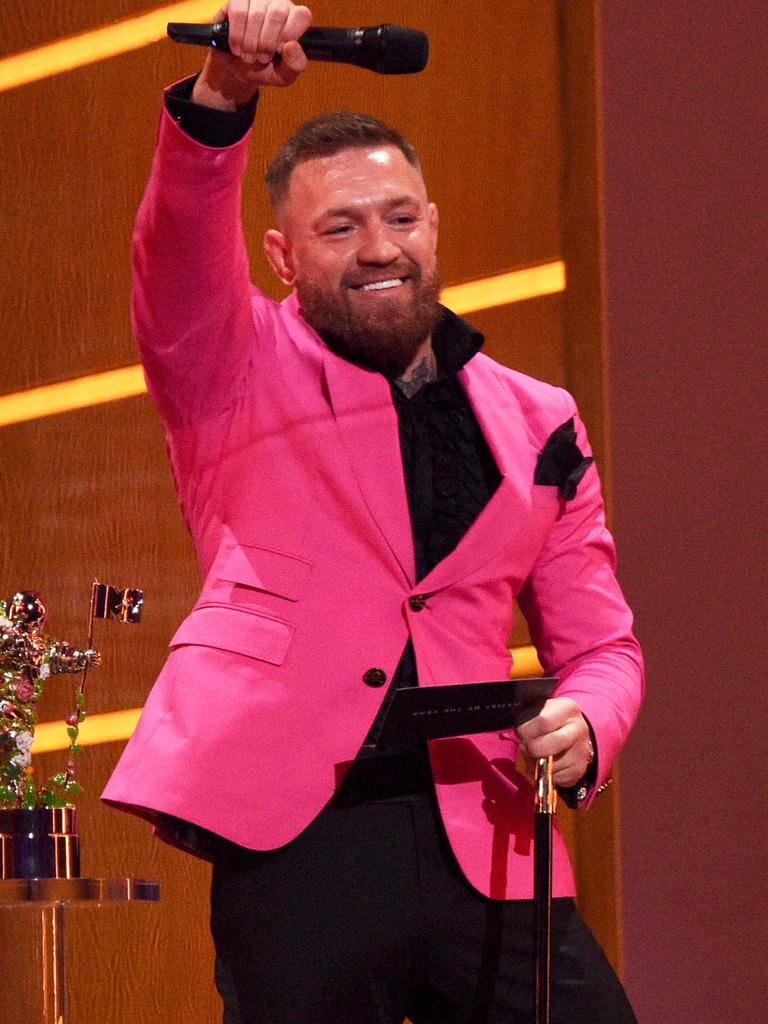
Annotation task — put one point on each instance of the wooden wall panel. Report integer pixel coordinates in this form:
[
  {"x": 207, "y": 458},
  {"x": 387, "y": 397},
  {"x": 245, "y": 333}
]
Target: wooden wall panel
[
  {"x": 24, "y": 26},
  {"x": 593, "y": 835},
  {"x": 89, "y": 493},
  {"x": 81, "y": 145},
  {"x": 526, "y": 335}
]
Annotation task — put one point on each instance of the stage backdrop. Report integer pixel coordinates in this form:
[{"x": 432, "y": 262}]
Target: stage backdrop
[
  {"x": 505, "y": 120},
  {"x": 685, "y": 202}
]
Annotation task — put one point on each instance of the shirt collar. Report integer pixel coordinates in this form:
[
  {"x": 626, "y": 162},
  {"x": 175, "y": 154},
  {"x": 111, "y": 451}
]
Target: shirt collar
[{"x": 454, "y": 342}]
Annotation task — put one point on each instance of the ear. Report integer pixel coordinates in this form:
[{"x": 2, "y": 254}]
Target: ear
[
  {"x": 434, "y": 220},
  {"x": 278, "y": 253}
]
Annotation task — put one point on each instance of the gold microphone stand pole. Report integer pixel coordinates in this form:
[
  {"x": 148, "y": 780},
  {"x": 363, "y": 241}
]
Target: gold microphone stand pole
[{"x": 545, "y": 809}]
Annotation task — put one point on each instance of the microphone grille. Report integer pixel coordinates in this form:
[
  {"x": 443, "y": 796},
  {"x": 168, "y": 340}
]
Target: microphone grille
[{"x": 401, "y": 51}]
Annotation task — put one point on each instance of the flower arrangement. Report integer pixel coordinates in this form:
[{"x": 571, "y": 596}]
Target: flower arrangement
[{"x": 27, "y": 659}]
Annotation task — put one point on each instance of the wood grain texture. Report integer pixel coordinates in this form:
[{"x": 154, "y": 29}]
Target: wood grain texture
[
  {"x": 594, "y": 834},
  {"x": 21, "y": 993},
  {"x": 89, "y": 493},
  {"x": 26, "y": 25}
]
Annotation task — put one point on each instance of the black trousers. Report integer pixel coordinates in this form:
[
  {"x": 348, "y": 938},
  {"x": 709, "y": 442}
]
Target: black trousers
[{"x": 365, "y": 918}]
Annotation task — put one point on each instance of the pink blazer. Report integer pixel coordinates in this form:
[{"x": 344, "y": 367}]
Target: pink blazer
[{"x": 287, "y": 464}]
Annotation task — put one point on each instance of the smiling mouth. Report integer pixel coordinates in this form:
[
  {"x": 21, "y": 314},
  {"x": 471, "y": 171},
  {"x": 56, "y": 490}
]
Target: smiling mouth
[{"x": 379, "y": 286}]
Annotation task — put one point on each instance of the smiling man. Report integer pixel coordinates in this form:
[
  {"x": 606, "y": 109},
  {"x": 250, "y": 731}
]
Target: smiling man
[
  {"x": 358, "y": 241},
  {"x": 368, "y": 494}
]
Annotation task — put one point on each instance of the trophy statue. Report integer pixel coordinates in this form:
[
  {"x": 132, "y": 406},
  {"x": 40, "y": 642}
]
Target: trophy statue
[{"x": 38, "y": 837}]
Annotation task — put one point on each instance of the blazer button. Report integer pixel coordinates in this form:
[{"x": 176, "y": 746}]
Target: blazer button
[
  {"x": 374, "y": 677},
  {"x": 417, "y": 602}
]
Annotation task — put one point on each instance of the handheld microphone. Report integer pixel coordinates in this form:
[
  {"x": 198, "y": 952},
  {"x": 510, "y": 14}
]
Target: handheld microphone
[{"x": 387, "y": 49}]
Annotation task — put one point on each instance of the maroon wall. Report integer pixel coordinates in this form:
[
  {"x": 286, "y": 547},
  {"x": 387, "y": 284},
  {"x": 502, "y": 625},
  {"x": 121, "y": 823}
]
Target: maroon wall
[{"x": 684, "y": 95}]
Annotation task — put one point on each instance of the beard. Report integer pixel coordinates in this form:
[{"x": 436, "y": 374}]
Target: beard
[{"x": 385, "y": 339}]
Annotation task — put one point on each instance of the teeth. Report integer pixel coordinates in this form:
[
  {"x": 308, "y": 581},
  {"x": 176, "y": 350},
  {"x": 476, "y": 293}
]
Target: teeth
[{"x": 377, "y": 286}]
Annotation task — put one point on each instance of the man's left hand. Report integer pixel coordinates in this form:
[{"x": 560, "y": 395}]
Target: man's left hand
[{"x": 561, "y": 731}]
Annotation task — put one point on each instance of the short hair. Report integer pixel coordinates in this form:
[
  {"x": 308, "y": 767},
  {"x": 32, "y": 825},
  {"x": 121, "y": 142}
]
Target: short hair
[{"x": 328, "y": 134}]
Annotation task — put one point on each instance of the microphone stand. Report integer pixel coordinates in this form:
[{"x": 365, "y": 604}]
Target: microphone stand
[{"x": 545, "y": 809}]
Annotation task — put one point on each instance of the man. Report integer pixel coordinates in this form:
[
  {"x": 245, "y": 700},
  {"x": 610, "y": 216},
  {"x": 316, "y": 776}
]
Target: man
[{"x": 367, "y": 494}]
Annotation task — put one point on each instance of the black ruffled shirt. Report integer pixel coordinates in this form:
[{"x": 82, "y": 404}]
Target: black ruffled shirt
[{"x": 449, "y": 471}]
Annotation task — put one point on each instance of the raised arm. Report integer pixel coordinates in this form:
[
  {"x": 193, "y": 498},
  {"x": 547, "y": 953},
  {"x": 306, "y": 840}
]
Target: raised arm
[{"x": 192, "y": 314}]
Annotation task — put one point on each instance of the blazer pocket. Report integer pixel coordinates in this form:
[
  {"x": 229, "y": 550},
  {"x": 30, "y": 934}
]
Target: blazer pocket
[
  {"x": 265, "y": 569},
  {"x": 545, "y": 496},
  {"x": 237, "y": 630}
]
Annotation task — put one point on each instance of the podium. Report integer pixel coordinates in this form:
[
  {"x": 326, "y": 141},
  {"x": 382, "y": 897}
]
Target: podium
[{"x": 51, "y": 898}]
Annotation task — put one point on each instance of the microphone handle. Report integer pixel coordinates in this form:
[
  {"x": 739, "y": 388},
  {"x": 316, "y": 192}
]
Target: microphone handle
[
  {"x": 340, "y": 45},
  {"x": 329, "y": 44}
]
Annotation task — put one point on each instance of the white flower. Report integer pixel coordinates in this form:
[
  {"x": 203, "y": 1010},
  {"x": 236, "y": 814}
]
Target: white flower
[
  {"x": 22, "y": 760},
  {"x": 44, "y": 671},
  {"x": 24, "y": 741}
]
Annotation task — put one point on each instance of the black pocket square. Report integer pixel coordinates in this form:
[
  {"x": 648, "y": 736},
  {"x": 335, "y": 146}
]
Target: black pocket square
[{"x": 561, "y": 463}]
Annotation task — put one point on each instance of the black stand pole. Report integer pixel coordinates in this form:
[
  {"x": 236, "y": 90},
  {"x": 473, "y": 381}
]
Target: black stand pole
[{"x": 546, "y": 806}]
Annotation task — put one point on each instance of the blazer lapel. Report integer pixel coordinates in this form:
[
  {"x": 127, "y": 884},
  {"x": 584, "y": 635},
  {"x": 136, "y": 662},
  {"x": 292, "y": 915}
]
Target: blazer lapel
[
  {"x": 367, "y": 422},
  {"x": 507, "y": 513}
]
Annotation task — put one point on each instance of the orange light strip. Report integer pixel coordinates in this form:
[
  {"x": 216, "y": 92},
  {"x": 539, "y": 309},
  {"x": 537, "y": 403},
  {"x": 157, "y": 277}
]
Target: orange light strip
[
  {"x": 98, "y": 44},
  {"x": 525, "y": 663},
  {"x": 105, "y": 728},
  {"x": 50, "y": 399},
  {"x": 502, "y": 289},
  {"x": 116, "y": 726}
]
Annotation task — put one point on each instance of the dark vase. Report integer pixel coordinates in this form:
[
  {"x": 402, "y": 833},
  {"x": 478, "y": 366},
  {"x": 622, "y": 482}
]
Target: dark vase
[{"x": 40, "y": 842}]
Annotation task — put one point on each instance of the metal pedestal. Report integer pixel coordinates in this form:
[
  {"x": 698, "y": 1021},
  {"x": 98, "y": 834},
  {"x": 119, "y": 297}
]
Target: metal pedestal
[{"x": 52, "y": 896}]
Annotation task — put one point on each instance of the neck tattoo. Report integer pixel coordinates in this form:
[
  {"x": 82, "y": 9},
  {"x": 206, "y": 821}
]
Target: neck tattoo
[{"x": 417, "y": 376}]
